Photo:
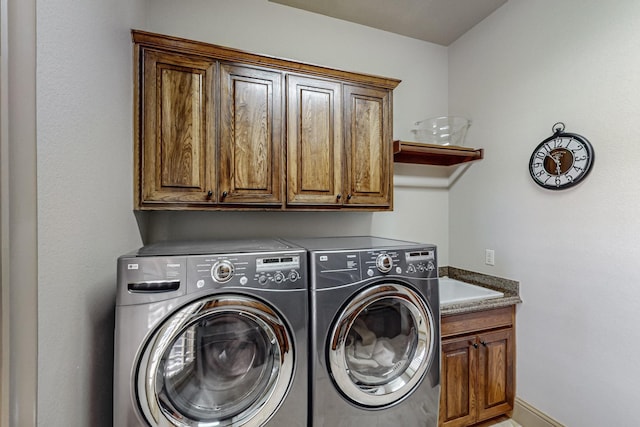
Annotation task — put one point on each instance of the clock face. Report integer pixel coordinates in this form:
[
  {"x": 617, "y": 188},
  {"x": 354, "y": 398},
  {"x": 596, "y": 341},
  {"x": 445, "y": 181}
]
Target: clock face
[{"x": 561, "y": 161}]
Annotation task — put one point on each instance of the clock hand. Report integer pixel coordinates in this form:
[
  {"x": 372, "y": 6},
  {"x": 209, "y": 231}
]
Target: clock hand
[{"x": 556, "y": 160}]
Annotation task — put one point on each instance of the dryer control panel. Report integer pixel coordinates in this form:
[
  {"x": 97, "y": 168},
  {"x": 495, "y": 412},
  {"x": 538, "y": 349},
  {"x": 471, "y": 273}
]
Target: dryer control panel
[
  {"x": 420, "y": 261},
  {"x": 349, "y": 266},
  {"x": 415, "y": 262}
]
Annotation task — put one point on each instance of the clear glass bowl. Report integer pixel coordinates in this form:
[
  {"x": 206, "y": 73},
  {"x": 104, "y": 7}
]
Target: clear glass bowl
[{"x": 445, "y": 130}]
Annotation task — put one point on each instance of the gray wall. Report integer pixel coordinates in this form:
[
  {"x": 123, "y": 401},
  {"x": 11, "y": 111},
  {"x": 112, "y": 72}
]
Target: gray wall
[
  {"x": 575, "y": 252},
  {"x": 84, "y": 165},
  {"x": 84, "y": 169}
]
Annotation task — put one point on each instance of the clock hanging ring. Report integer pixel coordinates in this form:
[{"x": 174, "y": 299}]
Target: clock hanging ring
[{"x": 562, "y": 160}]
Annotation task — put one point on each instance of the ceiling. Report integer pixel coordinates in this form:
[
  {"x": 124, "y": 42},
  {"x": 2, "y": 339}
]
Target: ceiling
[{"x": 435, "y": 21}]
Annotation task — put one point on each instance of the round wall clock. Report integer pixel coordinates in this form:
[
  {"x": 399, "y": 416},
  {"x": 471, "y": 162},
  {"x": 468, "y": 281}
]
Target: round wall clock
[{"x": 562, "y": 160}]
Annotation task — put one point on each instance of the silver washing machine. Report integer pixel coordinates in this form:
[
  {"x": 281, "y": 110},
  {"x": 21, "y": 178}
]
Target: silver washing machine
[
  {"x": 375, "y": 332},
  {"x": 212, "y": 334}
]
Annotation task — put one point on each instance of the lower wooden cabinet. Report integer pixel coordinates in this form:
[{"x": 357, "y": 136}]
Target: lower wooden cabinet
[{"x": 478, "y": 366}]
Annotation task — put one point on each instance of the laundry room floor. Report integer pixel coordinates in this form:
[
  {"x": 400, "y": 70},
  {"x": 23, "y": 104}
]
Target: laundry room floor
[{"x": 501, "y": 423}]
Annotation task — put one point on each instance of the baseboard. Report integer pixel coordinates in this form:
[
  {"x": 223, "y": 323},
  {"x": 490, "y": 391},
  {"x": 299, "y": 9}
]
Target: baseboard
[{"x": 528, "y": 416}]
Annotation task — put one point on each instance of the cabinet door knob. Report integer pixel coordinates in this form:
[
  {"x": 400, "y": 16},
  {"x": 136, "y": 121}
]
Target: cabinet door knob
[
  {"x": 475, "y": 345},
  {"x": 224, "y": 194},
  {"x": 209, "y": 194},
  {"x": 339, "y": 196},
  {"x": 348, "y": 196},
  {"x": 484, "y": 343}
]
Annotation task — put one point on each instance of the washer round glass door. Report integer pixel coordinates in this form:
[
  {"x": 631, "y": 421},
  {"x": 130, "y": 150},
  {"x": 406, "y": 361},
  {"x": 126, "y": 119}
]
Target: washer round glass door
[
  {"x": 225, "y": 360},
  {"x": 381, "y": 345}
]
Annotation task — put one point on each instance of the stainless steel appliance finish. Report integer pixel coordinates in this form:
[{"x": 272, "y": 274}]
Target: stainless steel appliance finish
[
  {"x": 212, "y": 333},
  {"x": 375, "y": 332}
]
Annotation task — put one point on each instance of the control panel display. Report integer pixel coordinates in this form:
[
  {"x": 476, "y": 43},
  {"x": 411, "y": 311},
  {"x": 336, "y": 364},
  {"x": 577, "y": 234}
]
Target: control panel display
[
  {"x": 414, "y": 256},
  {"x": 277, "y": 263}
]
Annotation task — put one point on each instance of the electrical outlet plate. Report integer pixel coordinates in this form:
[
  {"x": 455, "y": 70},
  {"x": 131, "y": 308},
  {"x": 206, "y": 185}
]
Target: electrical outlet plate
[{"x": 489, "y": 257}]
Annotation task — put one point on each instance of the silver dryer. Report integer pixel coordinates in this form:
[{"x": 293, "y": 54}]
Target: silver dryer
[{"x": 375, "y": 332}]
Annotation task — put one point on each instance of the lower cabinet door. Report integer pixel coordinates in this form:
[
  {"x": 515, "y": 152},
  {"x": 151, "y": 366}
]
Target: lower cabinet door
[
  {"x": 496, "y": 385},
  {"x": 477, "y": 378},
  {"x": 458, "y": 382}
]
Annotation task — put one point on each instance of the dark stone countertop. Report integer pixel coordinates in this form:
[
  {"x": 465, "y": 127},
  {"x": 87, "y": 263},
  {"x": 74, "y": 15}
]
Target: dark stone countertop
[{"x": 510, "y": 289}]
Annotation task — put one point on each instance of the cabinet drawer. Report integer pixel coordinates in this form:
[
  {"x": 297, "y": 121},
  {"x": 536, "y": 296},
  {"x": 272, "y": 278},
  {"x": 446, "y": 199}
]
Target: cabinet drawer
[{"x": 479, "y": 320}]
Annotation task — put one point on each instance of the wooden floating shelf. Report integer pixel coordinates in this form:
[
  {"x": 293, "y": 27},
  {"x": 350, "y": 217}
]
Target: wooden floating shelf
[{"x": 429, "y": 154}]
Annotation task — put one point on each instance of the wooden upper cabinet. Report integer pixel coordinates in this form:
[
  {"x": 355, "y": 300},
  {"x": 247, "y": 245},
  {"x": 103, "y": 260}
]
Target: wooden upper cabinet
[
  {"x": 250, "y": 167},
  {"x": 177, "y": 139},
  {"x": 338, "y": 144},
  {"x": 314, "y": 141},
  {"x": 369, "y": 154},
  {"x": 219, "y": 128}
]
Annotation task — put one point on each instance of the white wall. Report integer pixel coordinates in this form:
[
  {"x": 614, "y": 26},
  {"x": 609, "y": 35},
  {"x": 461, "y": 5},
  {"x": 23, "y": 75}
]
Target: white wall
[
  {"x": 84, "y": 166},
  {"x": 575, "y": 252},
  {"x": 263, "y": 27},
  {"x": 84, "y": 169},
  {"x": 18, "y": 212}
]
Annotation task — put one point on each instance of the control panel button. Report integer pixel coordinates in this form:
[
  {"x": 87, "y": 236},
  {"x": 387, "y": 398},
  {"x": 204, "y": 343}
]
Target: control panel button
[
  {"x": 222, "y": 271},
  {"x": 263, "y": 280},
  {"x": 293, "y": 275},
  {"x": 243, "y": 280},
  {"x": 384, "y": 263},
  {"x": 278, "y": 277}
]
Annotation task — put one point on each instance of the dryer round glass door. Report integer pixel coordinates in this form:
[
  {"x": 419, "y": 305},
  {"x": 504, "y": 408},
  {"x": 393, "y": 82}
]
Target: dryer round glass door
[
  {"x": 223, "y": 360},
  {"x": 381, "y": 345}
]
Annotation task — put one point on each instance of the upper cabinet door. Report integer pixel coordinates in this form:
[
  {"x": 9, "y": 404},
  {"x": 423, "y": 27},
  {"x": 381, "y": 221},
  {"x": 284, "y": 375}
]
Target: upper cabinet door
[
  {"x": 177, "y": 129},
  {"x": 368, "y": 145},
  {"x": 251, "y": 144},
  {"x": 314, "y": 141},
  {"x": 220, "y": 128}
]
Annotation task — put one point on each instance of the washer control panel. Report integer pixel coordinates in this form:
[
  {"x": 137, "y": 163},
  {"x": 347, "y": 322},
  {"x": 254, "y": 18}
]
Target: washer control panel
[
  {"x": 277, "y": 269},
  {"x": 263, "y": 271}
]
